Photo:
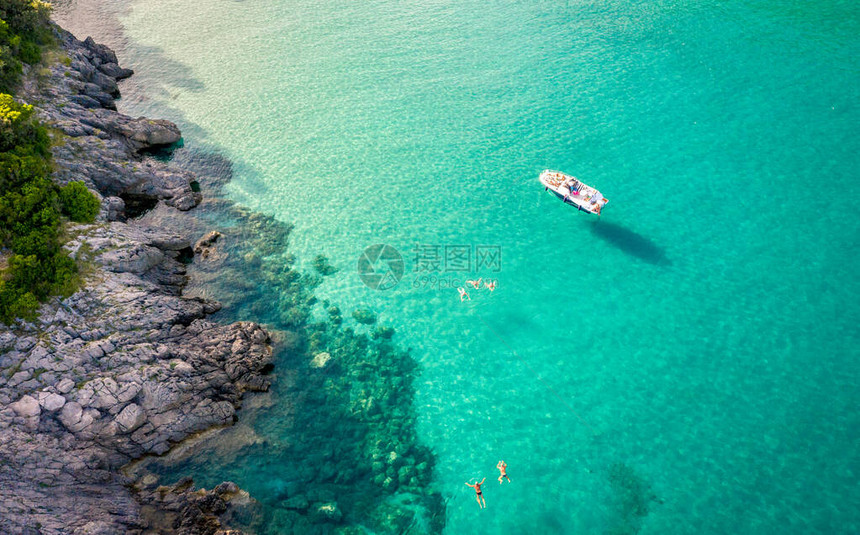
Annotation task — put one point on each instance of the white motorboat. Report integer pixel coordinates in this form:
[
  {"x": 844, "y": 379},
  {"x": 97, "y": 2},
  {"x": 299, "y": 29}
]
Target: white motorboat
[{"x": 573, "y": 192}]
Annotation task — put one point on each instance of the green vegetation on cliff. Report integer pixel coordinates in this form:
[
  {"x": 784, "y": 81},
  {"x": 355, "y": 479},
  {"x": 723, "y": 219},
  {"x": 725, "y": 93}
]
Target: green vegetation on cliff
[
  {"x": 23, "y": 31},
  {"x": 34, "y": 266}
]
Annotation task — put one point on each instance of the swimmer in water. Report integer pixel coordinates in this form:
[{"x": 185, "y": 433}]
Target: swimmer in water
[
  {"x": 490, "y": 285},
  {"x": 463, "y": 295},
  {"x": 476, "y": 284},
  {"x": 503, "y": 471},
  {"x": 478, "y": 494}
]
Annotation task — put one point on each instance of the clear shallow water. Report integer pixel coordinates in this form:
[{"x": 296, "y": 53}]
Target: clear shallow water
[{"x": 702, "y": 333}]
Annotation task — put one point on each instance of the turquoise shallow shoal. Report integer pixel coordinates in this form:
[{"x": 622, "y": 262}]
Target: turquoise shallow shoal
[{"x": 700, "y": 339}]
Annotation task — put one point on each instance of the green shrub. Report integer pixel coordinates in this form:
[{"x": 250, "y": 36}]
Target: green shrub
[
  {"x": 19, "y": 131},
  {"x": 15, "y": 303},
  {"x": 63, "y": 274},
  {"x": 30, "y": 204},
  {"x": 30, "y": 53},
  {"x": 29, "y": 211},
  {"x": 27, "y": 18},
  {"x": 10, "y": 65},
  {"x": 10, "y": 68},
  {"x": 23, "y": 30},
  {"x": 16, "y": 170},
  {"x": 78, "y": 203}
]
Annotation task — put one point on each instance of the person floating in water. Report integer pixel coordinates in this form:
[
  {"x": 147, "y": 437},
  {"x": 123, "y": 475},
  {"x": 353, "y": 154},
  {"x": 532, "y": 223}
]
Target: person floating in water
[
  {"x": 503, "y": 471},
  {"x": 476, "y": 284},
  {"x": 478, "y": 494},
  {"x": 490, "y": 285},
  {"x": 463, "y": 295}
]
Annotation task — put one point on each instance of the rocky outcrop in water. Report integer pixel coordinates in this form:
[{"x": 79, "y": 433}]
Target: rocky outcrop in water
[
  {"x": 100, "y": 146},
  {"x": 126, "y": 366},
  {"x": 185, "y": 509}
]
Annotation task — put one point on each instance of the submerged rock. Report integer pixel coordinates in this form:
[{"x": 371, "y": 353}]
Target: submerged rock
[
  {"x": 326, "y": 512},
  {"x": 364, "y": 316},
  {"x": 205, "y": 244},
  {"x": 299, "y": 503},
  {"x": 183, "y": 509},
  {"x": 320, "y": 360}
]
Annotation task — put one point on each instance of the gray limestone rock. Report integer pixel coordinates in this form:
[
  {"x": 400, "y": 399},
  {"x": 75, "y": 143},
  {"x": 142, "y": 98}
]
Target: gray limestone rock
[
  {"x": 106, "y": 83},
  {"x": 115, "y": 71},
  {"x": 51, "y": 402},
  {"x": 114, "y": 208},
  {"x": 137, "y": 259},
  {"x": 98, "y": 527},
  {"x": 26, "y": 407},
  {"x": 130, "y": 418},
  {"x": 65, "y": 385},
  {"x": 71, "y": 416},
  {"x": 86, "y": 101},
  {"x": 19, "y": 377},
  {"x": 100, "y": 51},
  {"x": 144, "y": 133}
]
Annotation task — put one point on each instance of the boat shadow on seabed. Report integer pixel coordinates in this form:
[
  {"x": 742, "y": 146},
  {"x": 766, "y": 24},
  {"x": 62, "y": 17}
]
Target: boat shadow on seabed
[{"x": 630, "y": 242}]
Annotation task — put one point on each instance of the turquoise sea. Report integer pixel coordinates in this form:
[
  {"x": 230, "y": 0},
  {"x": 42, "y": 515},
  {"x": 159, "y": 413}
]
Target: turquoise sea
[{"x": 686, "y": 364}]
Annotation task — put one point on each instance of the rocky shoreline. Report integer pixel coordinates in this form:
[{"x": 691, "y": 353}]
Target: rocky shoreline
[{"x": 126, "y": 366}]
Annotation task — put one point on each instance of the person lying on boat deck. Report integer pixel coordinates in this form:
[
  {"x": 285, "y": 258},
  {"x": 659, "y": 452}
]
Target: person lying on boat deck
[
  {"x": 570, "y": 191},
  {"x": 478, "y": 494}
]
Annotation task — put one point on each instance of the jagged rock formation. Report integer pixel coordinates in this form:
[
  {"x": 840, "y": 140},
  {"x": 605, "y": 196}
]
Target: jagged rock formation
[
  {"x": 102, "y": 147},
  {"x": 126, "y": 366}
]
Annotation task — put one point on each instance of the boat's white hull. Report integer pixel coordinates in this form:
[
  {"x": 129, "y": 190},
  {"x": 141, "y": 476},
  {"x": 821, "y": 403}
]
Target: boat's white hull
[{"x": 584, "y": 197}]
